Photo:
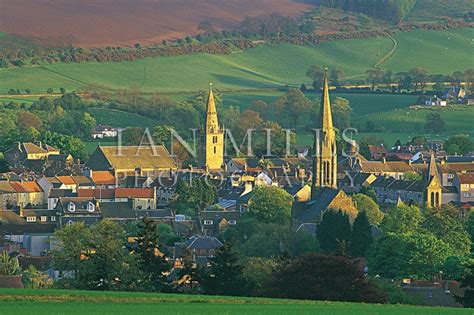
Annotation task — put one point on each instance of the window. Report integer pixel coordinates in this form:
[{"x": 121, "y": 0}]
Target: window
[
  {"x": 44, "y": 218},
  {"x": 215, "y": 150},
  {"x": 30, "y": 219},
  {"x": 450, "y": 176},
  {"x": 232, "y": 222},
  {"x": 90, "y": 207},
  {"x": 71, "y": 207},
  {"x": 208, "y": 222},
  {"x": 53, "y": 219},
  {"x": 466, "y": 195},
  {"x": 214, "y": 139}
]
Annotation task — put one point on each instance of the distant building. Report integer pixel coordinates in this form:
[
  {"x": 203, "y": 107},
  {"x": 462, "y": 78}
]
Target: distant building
[
  {"x": 21, "y": 152},
  {"x": 103, "y": 131}
]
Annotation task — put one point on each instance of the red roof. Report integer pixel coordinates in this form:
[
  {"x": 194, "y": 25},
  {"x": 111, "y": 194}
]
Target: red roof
[
  {"x": 466, "y": 178},
  {"x": 97, "y": 193},
  {"x": 26, "y": 187},
  {"x": 66, "y": 180},
  {"x": 134, "y": 193},
  {"x": 103, "y": 178}
]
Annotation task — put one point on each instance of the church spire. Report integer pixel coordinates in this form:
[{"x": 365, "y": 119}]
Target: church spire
[
  {"x": 432, "y": 170},
  {"x": 211, "y": 114},
  {"x": 325, "y": 112}
]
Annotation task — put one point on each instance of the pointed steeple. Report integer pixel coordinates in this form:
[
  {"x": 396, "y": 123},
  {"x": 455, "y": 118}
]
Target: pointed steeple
[
  {"x": 433, "y": 174},
  {"x": 211, "y": 114},
  {"x": 325, "y": 112}
]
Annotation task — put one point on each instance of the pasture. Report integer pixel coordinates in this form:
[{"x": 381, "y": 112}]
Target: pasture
[
  {"x": 265, "y": 66},
  {"x": 14, "y": 301}
]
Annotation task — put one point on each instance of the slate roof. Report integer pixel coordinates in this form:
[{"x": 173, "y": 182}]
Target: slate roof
[
  {"x": 202, "y": 242},
  {"x": 460, "y": 159},
  {"x": 311, "y": 211},
  {"x": 114, "y": 210},
  {"x": 56, "y": 193}
]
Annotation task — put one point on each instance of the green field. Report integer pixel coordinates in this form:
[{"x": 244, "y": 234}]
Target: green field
[
  {"x": 458, "y": 119},
  {"x": 120, "y": 119},
  {"x": 268, "y": 65},
  {"x": 14, "y": 301}
]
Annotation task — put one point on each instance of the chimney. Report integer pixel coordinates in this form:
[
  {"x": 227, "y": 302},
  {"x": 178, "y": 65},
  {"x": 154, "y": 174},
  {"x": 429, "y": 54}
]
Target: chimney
[{"x": 384, "y": 160}]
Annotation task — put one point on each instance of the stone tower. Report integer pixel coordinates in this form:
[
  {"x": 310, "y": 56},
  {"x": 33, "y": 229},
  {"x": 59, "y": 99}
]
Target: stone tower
[
  {"x": 433, "y": 184},
  {"x": 325, "y": 160},
  {"x": 212, "y": 138}
]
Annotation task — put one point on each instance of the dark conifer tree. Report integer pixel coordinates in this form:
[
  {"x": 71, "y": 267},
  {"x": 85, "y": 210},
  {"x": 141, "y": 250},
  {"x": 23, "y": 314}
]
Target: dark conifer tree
[
  {"x": 225, "y": 276},
  {"x": 361, "y": 236},
  {"x": 334, "y": 232}
]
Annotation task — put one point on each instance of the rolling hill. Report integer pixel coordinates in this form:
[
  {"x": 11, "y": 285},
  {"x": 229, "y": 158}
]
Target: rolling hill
[
  {"x": 266, "y": 66},
  {"x": 93, "y": 23}
]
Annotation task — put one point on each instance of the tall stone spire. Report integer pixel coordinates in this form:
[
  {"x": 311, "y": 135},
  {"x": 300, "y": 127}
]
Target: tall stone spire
[
  {"x": 325, "y": 118},
  {"x": 212, "y": 123},
  {"x": 433, "y": 170},
  {"x": 325, "y": 160},
  {"x": 212, "y": 137}
]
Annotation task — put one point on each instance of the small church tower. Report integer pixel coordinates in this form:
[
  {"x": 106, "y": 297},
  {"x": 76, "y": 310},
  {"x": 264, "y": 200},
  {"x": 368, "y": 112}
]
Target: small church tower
[
  {"x": 212, "y": 138},
  {"x": 325, "y": 160},
  {"x": 433, "y": 184}
]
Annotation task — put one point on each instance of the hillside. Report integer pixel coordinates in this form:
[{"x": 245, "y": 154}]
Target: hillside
[
  {"x": 267, "y": 65},
  {"x": 93, "y": 23},
  {"x": 89, "y": 302}
]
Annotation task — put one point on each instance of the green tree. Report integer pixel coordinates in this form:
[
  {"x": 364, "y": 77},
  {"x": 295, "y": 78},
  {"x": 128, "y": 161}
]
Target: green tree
[
  {"x": 418, "y": 255},
  {"x": 9, "y": 266},
  {"x": 342, "y": 112},
  {"x": 361, "y": 238},
  {"x": 402, "y": 219},
  {"x": 366, "y": 204},
  {"x": 467, "y": 284},
  {"x": 459, "y": 144},
  {"x": 334, "y": 232},
  {"x": 316, "y": 73},
  {"x": 323, "y": 277},
  {"x": 257, "y": 272},
  {"x": 152, "y": 265},
  {"x": 444, "y": 223},
  {"x": 420, "y": 77},
  {"x": 225, "y": 274},
  {"x": 302, "y": 242},
  {"x": 434, "y": 123},
  {"x": 270, "y": 204},
  {"x": 73, "y": 242}
]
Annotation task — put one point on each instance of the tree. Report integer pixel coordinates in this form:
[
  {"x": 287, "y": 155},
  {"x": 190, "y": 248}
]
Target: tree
[
  {"x": 66, "y": 144},
  {"x": 334, "y": 232},
  {"x": 49, "y": 91},
  {"x": 361, "y": 237},
  {"x": 161, "y": 134},
  {"x": 225, "y": 274},
  {"x": 375, "y": 77},
  {"x": 337, "y": 77},
  {"x": 402, "y": 219},
  {"x": 270, "y": 204},
  {"x": 444, "y": 223},
  {"x": 469, "y": 78},
  {"x": 434, "y": 123},
  {"x": 257, "y": 272},
  {"x": 265, "y": 241},
  {"x": 316, "y": 73},
  {"x": 366, "y": 204},
  {"x": 418, "y": 255},
  {"x": 459, "y": 144},
  {"x": 152, "y": 264},
  {"x": 467, "y": 283},
  {"x": 9, "y": 266},
  {"x": 295, "y": 105},
  {"x": 73, "y": 241},
  {"x": 27, "y": 119},
  {"x": 302, "y": 242},
  {"x": 420, "y": 77},
  {"x": 342, "y": 112},
  {"x": 34, "y": 279},
  {"x": 323, "y": 277}
]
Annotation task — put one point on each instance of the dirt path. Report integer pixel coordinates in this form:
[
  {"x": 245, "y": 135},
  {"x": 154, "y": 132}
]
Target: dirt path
[{"x": 388, "y": 55}]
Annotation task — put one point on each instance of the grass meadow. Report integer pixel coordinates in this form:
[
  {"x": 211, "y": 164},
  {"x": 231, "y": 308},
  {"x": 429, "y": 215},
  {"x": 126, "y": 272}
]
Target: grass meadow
[
  {"x": 23, "y": 301},
  {"x": 266, "y": 66}
]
